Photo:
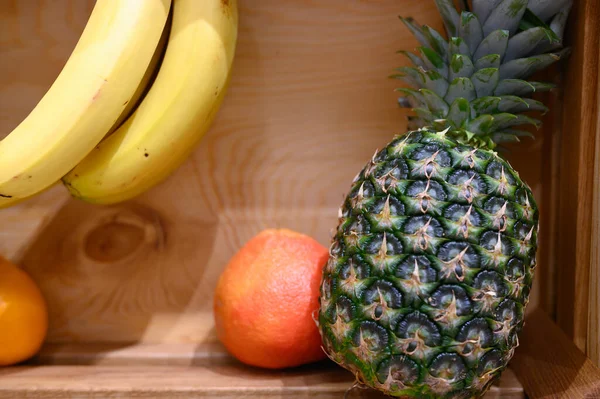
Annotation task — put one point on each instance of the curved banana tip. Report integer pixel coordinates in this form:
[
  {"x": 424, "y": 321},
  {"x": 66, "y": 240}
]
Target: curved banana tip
[
  {"x": 8, "y": 201},
  {"x": 74, "y": 192}
]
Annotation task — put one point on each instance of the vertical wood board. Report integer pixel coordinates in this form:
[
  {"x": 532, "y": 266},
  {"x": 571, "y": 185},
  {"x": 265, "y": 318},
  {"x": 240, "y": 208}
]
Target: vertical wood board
[
  {"x": 576, "y": 180},
  {"x": 594, "y": 308}
]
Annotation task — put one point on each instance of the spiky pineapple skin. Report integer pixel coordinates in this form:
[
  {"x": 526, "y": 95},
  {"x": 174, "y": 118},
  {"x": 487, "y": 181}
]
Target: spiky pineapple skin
[{"x": 430, "y": 269}]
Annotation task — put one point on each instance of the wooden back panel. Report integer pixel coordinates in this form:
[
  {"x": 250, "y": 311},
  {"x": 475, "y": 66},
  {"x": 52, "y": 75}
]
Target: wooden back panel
[{"x": 308, "y": 105}]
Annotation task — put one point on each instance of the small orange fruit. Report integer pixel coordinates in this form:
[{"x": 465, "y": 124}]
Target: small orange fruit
[
  {"x": 23, "y": 315},
  {"x": 265, "y": 299}
]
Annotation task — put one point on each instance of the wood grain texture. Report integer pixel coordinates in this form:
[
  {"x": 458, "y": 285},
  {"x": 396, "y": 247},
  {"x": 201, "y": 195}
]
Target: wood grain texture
[
  {"x": 133, "y": 354},
  {"x": 130, "y": 286},
  {"x": 22, "y": 224},
  {"x": 550, "y": 366},
  {"x": 308, "y": 105},
  {"x": 215, "y": 374},
  {"x": 593, "y": 338},
  {"x": 319, "y": 381},
  {"x": 576, "y": 180},
  {"x": 545, "y": 279},
  {"x": 36, "y": 38}
]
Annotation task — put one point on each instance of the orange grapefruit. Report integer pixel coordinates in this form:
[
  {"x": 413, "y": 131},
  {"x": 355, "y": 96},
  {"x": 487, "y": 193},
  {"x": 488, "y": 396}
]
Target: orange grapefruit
[{"x": 265, "y": 299}]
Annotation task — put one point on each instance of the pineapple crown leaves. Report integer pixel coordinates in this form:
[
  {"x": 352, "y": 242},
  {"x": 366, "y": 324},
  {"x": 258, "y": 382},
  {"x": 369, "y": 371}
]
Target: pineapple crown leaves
[{"x": 474, "y": 84}]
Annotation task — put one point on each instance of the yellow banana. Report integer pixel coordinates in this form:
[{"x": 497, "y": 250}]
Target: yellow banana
[
  {"x": 147, "y": 80},
  {"x": 176, "y": 112},
  {"x": 100, "y": 77}
]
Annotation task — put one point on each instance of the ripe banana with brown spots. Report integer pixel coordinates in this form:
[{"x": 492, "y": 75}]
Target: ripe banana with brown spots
[
  {"x": 92, "y": 91},
  {"x": 175, "y": 114}
]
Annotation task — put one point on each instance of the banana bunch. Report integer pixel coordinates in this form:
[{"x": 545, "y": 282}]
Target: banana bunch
[{"x": 137, "y": 94}]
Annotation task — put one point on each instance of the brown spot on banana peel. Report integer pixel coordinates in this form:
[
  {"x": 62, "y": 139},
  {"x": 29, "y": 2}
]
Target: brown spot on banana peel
[
  {"x": 127, "y": 183},
  {"x": 5, "y": 196},
  {"x": 226, "y": 7},
  {"x": 74, "y": 192},
  {"x": 100, "y": 89}
]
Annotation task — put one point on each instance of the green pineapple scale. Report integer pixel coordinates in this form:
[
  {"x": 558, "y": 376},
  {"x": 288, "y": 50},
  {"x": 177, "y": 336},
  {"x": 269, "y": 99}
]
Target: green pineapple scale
[{"x": 432, "y": 261}]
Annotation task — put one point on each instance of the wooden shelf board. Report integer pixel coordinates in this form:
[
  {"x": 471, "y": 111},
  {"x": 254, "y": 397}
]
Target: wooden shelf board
[
  {"x": 548, "y": 364},
  {"x": 191, "y": 370},
  {"x": 227, "y": 381},
  {"x": 133, "y": 354}
]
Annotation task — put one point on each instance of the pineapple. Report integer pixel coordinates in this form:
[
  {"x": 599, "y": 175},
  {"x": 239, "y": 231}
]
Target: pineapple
[{"x": 432, "y": 262}]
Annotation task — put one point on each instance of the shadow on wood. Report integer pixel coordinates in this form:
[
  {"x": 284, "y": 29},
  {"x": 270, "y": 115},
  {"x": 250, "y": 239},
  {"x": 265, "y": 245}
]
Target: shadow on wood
[{"x": 549, "y": 365}]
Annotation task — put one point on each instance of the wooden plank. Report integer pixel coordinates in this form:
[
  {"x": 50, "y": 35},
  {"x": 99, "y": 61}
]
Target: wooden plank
[
  {"x": 309, "y": 103},
  {"x": 129, "y": 273},
  {"x": 135, "y": 358},
  {"x": 544, "y": 284},
  {"x": 22, "y": 224},
  {"x": 550, "y": 366},
  {"x": 594, "y": 312},
  {"x": 320, "y": 381},
  {"x": 133, "y": 354},
  {"x": 577, "y": 171}
]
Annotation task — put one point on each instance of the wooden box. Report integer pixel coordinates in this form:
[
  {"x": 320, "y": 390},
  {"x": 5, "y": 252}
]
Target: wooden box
[{"x": 130, "y": 286}]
